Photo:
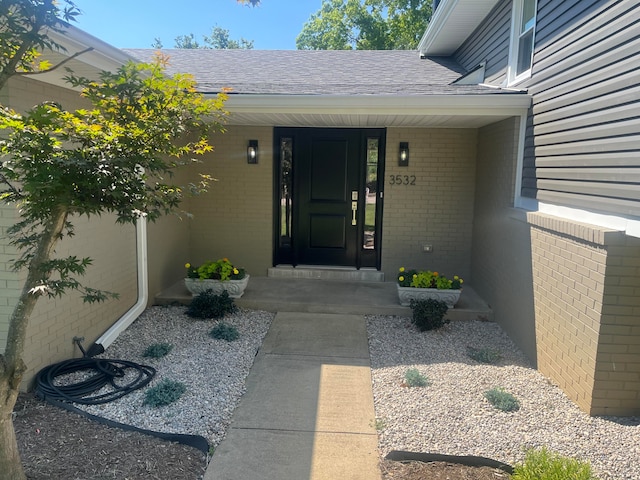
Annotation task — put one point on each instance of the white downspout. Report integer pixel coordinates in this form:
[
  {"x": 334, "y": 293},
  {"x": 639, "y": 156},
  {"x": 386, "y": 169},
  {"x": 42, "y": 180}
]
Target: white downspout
[{"x": 134, "y": 312}]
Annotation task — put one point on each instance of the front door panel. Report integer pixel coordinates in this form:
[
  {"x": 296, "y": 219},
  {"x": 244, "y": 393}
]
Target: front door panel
[
  {"x": 327, "y": 172},
  {"x": 322, "y": 189}
]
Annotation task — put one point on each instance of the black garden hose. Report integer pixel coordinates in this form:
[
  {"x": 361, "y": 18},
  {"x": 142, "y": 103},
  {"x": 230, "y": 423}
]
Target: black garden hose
[{"x": 105, "y": 372}]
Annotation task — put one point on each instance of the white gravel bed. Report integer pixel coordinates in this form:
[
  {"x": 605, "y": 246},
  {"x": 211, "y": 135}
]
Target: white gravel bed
[
  {"x": 213, "y": 371},
  {"x": 451, "y": 415}
]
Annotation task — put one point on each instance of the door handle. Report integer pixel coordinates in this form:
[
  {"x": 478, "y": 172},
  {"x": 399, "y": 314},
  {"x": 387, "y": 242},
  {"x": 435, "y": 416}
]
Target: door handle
[{"x": 354, "y": 210}]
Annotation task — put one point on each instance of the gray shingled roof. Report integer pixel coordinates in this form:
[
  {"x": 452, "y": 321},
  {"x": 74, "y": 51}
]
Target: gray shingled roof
[{"x": 317, "y": 72}]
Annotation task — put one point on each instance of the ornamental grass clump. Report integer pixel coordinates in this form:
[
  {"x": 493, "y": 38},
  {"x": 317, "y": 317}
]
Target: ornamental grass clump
[
  {"x": 484, "y": 355},
  {"x": 157, "y": 350},
  {"x": 223, "y": 331},
  {"x": 541, "y": 464},
  {"x": 209, "y": 305},
  {"x": 165, "y": 393},
  {"x": 502, "y": 400},
  {"x": 413, "y": 378}
]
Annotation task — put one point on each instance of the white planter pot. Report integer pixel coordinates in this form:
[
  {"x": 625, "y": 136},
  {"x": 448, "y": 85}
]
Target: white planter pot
[
  {"x": 235, "y": 288},
  {"x": 406, "y": 294}
]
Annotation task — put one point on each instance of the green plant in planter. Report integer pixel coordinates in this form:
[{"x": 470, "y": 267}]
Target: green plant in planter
[
  {"x": 157, "y": 350},
  {"x": 221, "y": 270},
  {"x": 427, "y": 279},
  {"x": 429, "y": 314},
  {"x": 541, "y": 464},
  {"x": 208, "y": 305}
]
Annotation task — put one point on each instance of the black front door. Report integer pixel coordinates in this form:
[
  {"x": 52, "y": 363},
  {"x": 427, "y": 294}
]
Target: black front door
[{"x": 324, "y": 194}]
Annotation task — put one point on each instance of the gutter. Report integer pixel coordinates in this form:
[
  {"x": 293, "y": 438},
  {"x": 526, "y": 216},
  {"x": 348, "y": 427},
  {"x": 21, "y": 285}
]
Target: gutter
[{"x": 136, "y": 310}]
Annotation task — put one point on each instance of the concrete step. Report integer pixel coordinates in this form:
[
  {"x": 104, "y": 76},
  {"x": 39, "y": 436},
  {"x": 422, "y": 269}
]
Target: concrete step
[
  {"x": 331, "y": 296},
  {"x": 326, "y": 273}
]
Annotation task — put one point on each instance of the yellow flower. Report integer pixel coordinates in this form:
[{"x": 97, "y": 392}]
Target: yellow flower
[
  {"x": 236, "y": 271},
  {"x": 225, "y": 259},
  {"x": 401, "y": 279},
  {"x": 402, "y": 269},
  {"x": 415, "y": 275},
  {"x": 456, "y": 277},
  {"x": 435, "y": 274},
  {"x": 187, "y": 265},
  {"x": 461, "y": 281}
]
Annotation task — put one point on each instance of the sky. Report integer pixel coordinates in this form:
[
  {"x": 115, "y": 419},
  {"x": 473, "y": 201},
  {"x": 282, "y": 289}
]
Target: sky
[{"x": 273, "y": 25}]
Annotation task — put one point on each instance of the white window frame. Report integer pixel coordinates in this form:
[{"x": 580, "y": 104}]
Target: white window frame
[{"x": 517, "y": 11}]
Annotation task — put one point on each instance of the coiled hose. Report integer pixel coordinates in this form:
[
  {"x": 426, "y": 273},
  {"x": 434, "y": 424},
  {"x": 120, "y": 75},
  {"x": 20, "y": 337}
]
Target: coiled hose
[{"x": 106, "y": 372}]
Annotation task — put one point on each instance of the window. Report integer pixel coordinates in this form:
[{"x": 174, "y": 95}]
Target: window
[{"x": 523, "y": 26}]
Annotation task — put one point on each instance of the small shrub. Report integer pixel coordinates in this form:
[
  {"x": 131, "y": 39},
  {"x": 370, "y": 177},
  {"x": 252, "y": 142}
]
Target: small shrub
[
  {"x": 165, "y": 393},
  {"x": 222, "y": 331},
  {"x": 484, "y": 355},
  {"x": 414, "y": 378},
  {"x": 208, "y": 305},
  {"x": 502, "y": 400},
  {"x": 157, "y": 350},
  {"x": 429, "y": 314},
  {"x": 541, "y": 464}
]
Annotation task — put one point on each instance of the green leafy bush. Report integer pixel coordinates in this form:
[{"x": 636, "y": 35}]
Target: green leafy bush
[
  {"x": 208, "y": 305},
  {"x": 541, "y": 464},
  {"x": 414, "y": 378},
  {"x": 157, "y": 350},
  {"x": 165, "y": 393},
  {"x": 223, "y": 331},
  {"x": 502, "y": 400},
  {"x": 484, "y": 355},
  {"x": 429, "y": 314}
]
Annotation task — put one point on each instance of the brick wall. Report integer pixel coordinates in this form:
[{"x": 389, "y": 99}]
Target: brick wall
[
  {"x": 430, "y": 201},
  {"x": 587, "y": 301},
  {"x": 501, "y": 252},
  {"x": 234, "y": 219},
  {"x": 55, "y": 322}
]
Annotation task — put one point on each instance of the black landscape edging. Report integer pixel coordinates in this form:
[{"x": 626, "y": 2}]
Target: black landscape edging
[
  {"x": 470, "y": 461},
  {"x": 195, "y": 441}
]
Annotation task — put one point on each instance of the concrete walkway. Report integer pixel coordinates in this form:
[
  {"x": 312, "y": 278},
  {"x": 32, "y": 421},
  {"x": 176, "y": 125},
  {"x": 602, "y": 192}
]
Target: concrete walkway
[{"x": 308, "y": 409}]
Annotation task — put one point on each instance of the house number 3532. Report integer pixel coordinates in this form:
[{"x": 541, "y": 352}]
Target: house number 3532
[{"x": 402, "y": 179}]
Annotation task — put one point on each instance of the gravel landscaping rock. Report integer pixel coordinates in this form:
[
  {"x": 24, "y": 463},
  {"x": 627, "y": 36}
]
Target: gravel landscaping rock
[
  {"x": 451, "y": 416},
  {"x": 213, "y": 370}
]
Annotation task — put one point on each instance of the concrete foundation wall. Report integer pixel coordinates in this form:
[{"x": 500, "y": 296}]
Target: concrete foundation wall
[{"x": 430, "y": 201}]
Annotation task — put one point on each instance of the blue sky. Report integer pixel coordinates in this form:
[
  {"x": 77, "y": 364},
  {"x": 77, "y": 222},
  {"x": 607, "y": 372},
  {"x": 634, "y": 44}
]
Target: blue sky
[{"x": 274, "y": 25}]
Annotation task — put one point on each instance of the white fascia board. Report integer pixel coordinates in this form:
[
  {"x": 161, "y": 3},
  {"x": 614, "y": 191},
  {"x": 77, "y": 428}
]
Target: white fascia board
[
  {"x": 451, "y": 24},
  {"x": 490, "y": 105},
  {"x": 102, "y": 56}
]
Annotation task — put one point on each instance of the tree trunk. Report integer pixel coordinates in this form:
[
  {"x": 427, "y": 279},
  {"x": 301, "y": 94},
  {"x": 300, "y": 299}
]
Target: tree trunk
[{"x": 12, "y": 366}]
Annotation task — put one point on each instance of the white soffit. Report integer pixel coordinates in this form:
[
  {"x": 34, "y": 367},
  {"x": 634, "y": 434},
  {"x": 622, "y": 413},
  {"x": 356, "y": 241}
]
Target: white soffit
[
  {"x": 451, "y": 111},
  {"x": 450, "y": 25}
]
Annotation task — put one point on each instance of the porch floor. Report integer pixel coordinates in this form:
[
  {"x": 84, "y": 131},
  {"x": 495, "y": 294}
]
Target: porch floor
[{"x": 330, "y": 296}]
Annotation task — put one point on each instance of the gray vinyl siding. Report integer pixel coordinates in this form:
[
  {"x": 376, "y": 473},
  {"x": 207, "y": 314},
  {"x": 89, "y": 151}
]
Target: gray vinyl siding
[
  {"x": 582, "y": 145},
  {"x": 583, "y": 140},
  {"x": 490, "y": 43}
]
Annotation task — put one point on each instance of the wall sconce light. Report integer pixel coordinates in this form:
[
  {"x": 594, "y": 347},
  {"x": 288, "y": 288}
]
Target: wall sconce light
[
  {"x": 403, "y": 155},
  {"x": 252, "y": 151}
]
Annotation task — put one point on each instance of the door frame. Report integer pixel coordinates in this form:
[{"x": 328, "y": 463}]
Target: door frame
[{"x": 285, "y": 247}]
